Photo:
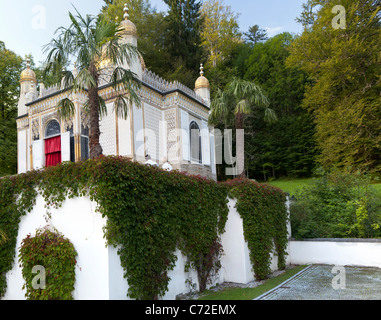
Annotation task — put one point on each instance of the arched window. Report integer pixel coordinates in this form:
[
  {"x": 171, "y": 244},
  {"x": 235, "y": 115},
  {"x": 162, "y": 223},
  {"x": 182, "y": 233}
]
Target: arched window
[
  {"x": 84, "y": 143},
  {"x": 52, "y": 129},
  {"x": 53, "y": 144},
  {"x": 195, "y": 142}
]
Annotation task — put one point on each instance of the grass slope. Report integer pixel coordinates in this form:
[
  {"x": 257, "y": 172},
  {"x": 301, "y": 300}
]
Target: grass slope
[
  {"x": 251, "y": 293},
  {"x": 291, "y": 186}
]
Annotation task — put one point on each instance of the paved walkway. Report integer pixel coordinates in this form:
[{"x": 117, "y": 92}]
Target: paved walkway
[{"x": 322, "y": 282}]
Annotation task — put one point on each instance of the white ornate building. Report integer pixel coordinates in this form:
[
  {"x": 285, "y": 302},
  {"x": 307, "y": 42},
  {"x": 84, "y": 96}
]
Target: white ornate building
[{"x": 162, "y": 126}]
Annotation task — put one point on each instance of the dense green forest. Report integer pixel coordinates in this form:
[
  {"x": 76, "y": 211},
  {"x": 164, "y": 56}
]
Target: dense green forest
[{"x": 323, "y": 85}]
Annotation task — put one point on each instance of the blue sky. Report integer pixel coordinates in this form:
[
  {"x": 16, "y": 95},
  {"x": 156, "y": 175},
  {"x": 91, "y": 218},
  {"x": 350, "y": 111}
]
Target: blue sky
[{"x": 27, "y": 25}]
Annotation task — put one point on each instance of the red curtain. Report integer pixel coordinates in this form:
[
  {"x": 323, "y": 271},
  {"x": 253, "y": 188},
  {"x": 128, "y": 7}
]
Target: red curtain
[{"x": 53, "y": 151}]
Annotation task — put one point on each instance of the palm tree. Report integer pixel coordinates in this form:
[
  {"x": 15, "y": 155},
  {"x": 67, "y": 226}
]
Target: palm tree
[
  {"x": 230, "y": 106},
  {"x": 90, "y": 41}
]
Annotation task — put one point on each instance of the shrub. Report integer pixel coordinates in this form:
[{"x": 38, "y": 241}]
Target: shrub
[
  {"x": 57, "y": 256},
  {"x": 337, "y": 205}
]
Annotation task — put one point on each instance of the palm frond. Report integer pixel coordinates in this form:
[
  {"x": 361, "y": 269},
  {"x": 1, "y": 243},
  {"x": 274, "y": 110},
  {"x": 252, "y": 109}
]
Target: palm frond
[
  {"x": 122, "y": 53},
  {"x": 67, "y": 79},
  {"x": 123, "y": 76},
  {"x": 66, "y": 108},
  {"x": 102, "y": 107},
  {"x": 86, "y": 106},
  {"x": 221, "y": 107},
  {"x": 122, "y": 106},
  {"x": 243, "y": 106},
  {"x": 257, "y": 95},
  {"x": 125, "y": 82},
  {"x": 240, "y": 96},
  {"x": 84, "y": 80},
  {"x": 57, "y": 58},
  {"x": 270, "y": 116},
  {"x": 77, "y": 26},
  {"x": 56, "y": 49},
  {"x": 104, "y": 30}
]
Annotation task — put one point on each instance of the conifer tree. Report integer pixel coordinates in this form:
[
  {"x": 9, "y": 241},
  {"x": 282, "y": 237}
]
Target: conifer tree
[{"x": 182, "y": 38}]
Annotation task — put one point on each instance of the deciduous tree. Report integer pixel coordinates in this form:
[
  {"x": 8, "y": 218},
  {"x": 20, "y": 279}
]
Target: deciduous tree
[
  {"x": 344, "y": 64},
  {"x": 10, "y": 69},
  {"x": 220, "y": 31}
]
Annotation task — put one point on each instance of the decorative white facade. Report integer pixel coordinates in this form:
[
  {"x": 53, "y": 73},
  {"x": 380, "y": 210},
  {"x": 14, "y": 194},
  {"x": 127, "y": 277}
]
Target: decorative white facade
[{"x": 160, "y": 126}]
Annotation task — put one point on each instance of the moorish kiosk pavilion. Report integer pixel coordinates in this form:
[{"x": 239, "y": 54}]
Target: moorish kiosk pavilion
[{"x": 160, "y": 127}]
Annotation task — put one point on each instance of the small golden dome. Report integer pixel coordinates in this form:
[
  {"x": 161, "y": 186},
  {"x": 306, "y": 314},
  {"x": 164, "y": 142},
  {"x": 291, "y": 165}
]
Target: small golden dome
[
  {"x": 202, "y": 82},
  {"x": 128, "y": 26},
  {"x": 28, "y": 74}
]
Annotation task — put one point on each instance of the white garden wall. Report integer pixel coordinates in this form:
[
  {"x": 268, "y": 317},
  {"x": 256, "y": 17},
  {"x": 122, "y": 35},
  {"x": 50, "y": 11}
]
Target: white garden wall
[
  {"x": 96, "y": 270},
  {"x": 236, "y": 266},
  {"x": 99, "y": 275},
  {"x": 339, "y": 252}
]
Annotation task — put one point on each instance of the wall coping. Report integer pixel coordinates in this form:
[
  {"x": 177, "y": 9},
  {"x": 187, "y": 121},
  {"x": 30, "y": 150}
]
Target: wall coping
[{"x": 338, "y": 240}]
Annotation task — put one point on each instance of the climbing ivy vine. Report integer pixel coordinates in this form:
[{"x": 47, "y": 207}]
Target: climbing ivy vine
[
  {"x": 263, "y": 210},
  {"x": 150, "y": 213},
  {"x": 54, "y": 253}
]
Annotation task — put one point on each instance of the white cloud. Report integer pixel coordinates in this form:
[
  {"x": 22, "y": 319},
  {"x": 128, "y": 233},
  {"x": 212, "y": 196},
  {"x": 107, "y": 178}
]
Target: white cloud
[{"x": 273, "y": 31}]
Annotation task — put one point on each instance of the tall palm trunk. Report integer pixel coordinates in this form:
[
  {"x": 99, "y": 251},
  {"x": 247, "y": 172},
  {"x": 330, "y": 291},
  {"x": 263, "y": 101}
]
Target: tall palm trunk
[
  {"x": 240, "y": 144},
  {"x": 94, "y": 145}
]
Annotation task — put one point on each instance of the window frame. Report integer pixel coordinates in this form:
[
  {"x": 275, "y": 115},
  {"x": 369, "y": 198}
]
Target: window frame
[
  {"x": 192, "y": 159},
  {"x": 46, "y": 129}
]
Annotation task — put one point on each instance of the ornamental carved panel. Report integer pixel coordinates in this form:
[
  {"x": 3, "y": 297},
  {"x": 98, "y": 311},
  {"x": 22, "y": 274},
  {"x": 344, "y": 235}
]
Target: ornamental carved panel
[
  {"x": 85, "y": 118},
  {"x": 170, "y": 119},
  {"x": 36, "y": 129}
]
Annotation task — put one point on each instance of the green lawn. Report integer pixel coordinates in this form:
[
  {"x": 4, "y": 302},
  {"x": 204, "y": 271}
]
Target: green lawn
[
  {"x": 251, "y": 293},
  {"x": 291, "y": 186}
]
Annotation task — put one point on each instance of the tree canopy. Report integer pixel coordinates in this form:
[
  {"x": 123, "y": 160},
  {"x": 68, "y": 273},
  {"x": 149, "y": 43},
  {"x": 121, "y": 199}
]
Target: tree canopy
[
  {"x": 323, "y": 84},
  {"x": 10, "y": 69},
  {"x": 344, "y": 66},
  {"x": 287, "y": 148},
  {"x": 220, "y": 31}
]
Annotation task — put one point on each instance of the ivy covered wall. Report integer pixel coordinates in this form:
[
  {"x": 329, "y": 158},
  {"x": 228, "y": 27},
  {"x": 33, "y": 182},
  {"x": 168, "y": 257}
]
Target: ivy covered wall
[{"x": 150, "y": 214}]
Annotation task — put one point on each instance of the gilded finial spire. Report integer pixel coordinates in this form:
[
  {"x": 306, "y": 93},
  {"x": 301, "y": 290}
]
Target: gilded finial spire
[
  {"x": 125, "y": 12},
  {"x": 202, "y": 82},
  {"x": 129, "y": 29},
  {"x": 28, "y": 63}
]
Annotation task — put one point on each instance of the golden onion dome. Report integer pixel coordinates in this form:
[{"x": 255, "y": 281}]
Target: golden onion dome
[
  {"x": 128, "y": 26},
  {"x": 28, "y": 74},
  {"x": 202, "y": 82}
]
